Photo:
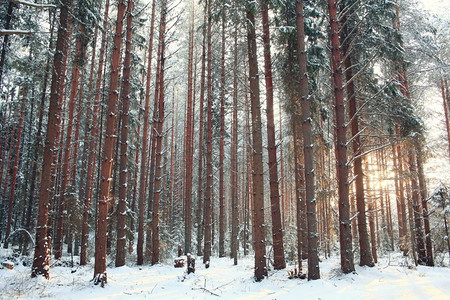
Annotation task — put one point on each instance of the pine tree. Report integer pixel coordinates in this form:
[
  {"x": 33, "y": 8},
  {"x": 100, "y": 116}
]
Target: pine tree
[
  {"x": 345, "y": 234},
  {"x": 42, "y": 251},
  {"x": 108, "y": 150},
  {"x": 257, "y": 162},
  {"x": 123, "y": 166}
]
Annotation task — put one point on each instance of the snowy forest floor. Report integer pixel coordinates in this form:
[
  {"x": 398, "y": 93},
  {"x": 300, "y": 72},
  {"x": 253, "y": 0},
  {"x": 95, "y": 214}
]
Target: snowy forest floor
[{"x": 392, "y": 278}]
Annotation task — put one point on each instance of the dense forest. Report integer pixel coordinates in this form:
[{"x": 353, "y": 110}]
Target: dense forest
[{"x": 133, "y": 132}]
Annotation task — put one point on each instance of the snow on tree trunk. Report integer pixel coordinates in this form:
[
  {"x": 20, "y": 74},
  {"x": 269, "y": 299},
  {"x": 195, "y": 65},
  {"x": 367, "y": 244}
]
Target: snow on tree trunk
[
  {"x": 108, "y": 148},
  {"x": 345, "y": 233},
  {"x": 42, "y": 251},
  {"x": 259, "y": 239},
  {"x": 277, "y": 230}
]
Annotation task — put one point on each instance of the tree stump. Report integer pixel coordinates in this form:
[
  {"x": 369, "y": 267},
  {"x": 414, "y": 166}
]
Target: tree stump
[
  {"x": 100, "y": 278},
  {"x": 190, "y": 264},
  {"x": 178, "y": 262},
  {"x": 8, "y": 264}
]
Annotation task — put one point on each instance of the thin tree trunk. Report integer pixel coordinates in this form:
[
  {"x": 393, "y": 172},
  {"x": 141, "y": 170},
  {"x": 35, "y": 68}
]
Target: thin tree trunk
[
  {"x": 277, "y": 230},
  {"x": 199, "y": 219},
  {"x": 446, "y": 112},
  {"x": 189, "y": 140},
  {"x": 73, "y": 177},
  {"x": 372, "y": 212},
  {"x": 158, "y": 131},
  {"x": 221, "y": 147},
  {"x": 345, "y": 233},
  {"x": 15, "y": 166},
  {"x": 144, "y": 155},
  {"x": 209, "y": 167},
  {"x": 9, "y": 15},
  {"x": 234, "y": 160},
  {"x": 423, "y": 196},
  {"x": 9, "y": 141},
  {"x": 259, "y": 239}
]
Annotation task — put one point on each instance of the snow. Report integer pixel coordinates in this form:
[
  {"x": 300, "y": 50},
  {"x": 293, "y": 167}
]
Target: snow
[{"x": 391, "y": 278}]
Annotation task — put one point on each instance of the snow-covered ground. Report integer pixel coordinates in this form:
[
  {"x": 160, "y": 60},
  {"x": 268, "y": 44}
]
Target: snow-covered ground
[{"x": 391, "y": 278}]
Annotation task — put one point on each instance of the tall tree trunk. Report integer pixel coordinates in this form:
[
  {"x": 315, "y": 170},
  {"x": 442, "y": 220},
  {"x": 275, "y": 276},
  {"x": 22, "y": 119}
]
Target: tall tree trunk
[
  {"x": 365, "y": 255},
  {"x": 41, "y": 252},
  {"x": 9, "y": 15},
  {"x": 88, "y": 193},
  {"x": 345, "y": 233},
  {"x": 209, "y": 167},
  {"x": 313, "y": 259},
  {"x": 158, "y": 131},
  {"x": 277, "y": 230},
  {"x": 8, "y": 141},
  {"x": 221, "y": 147},
  {"x": 446, "y": 112},
  {"x": 234, "y": 161},
  {"x": 80, "y": 51},
  {"x": 15, "y": 165},
  {"x": 38, "y": 140},
  {"x": 418, "y": 230},
  {"x": 144, "y": 155},
  {"x": 259, "y": 239},
  {"x": 297, "y": 183},
  {"x": 199, "y": 219},
  {"x": 423, "y": 196},
  {"x": 123, "y": 166},
  {"x": 73, "y": 177},
  {"x": 372, "y": 212},
  {"x": 108, "y": 148},
  {"x": 189, "y": 141}
]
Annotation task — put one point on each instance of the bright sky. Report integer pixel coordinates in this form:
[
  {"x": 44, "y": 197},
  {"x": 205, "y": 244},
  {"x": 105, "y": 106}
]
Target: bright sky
[{"x": 439, "y": 7}]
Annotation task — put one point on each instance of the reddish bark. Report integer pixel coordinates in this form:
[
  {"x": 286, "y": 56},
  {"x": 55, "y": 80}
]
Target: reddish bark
[
  {"x": 365, "y": 256},
  {"x": 4, "y": 144},
  {"x": 277, "y": 230},
  {"x": 108, "y": 148},
  {"x": 38, "y": 140},
  {"x": 199, "y": 220},
  {"x": 80, "y": 50},
  {"x": 158, "y": 131},
  {"x": 345, "y": 233},
  {"x": 257, "y": 165},
  {"x": 41, "y": 253},
  {"x": 188, "y": 145},
  {"x": 209, "y": 167},
  {"x": 221, "y": 147},
  {"x": 144, "y": 161},
  {"x": 88, "y": 192},
  {"x": 8, "y": 162},
  {"x": 15, "y": 166},
  {"x": 446, "y": 112},
  {"x": 234, "y": 162}
]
